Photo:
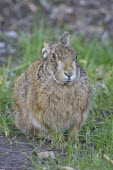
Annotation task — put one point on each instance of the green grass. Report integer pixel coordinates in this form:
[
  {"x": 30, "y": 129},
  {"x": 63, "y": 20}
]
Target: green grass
[{"x": 97, "y": 134}]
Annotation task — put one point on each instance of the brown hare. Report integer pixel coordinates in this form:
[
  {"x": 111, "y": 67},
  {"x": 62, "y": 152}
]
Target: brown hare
[{"x": 53, "y": 94}]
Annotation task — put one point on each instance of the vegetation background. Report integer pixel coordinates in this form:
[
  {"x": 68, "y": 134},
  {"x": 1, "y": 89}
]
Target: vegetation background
[{"x": 24, "y": 25}]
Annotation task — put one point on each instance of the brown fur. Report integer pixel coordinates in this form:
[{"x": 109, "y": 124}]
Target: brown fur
[{"x": 44, "y": 100}]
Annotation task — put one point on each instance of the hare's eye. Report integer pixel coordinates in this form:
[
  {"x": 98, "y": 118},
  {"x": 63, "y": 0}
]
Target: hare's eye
[{"x": 53, "y": 55}]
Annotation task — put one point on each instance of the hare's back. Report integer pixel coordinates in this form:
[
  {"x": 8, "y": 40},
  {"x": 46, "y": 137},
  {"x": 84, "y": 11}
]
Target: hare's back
[{"x": 21, "y": 90}]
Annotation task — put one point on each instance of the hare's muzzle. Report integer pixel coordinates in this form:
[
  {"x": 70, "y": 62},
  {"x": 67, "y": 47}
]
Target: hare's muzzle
[{"x": 69, "y": 77}]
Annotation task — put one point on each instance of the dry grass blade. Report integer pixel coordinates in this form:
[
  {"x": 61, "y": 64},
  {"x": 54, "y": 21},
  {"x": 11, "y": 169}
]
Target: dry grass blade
[
  {"x": 108, "y": 159},
  {"x": 64, "y": 168}
]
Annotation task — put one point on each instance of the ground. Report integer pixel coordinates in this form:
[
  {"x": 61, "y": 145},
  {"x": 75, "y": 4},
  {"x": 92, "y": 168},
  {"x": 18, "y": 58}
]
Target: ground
[
  {"x": 15, "y": 152},
  {"x": 14, "y": 155}
]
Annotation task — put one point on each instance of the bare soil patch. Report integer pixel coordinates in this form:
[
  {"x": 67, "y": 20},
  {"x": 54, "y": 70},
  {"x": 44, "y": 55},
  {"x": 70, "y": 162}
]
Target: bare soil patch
[
  {"x": 15, "y": 155},
  {"x": 16, "y": 152}
]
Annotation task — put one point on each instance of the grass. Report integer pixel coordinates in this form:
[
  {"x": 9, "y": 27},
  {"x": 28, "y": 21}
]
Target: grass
[{"x": 97, "y": 134}]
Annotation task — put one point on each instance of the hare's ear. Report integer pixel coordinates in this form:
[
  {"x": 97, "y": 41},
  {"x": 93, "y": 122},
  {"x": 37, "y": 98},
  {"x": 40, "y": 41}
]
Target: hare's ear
[
  {"x": 47, "y": 48},
  {"x": 64, "y": 38}
]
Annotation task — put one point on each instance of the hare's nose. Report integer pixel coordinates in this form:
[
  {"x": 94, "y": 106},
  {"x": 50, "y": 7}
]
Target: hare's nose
[{"x": 68, "y": 75}]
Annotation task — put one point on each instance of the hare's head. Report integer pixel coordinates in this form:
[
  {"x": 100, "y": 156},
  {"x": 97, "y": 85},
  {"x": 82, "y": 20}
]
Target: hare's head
[{"x": 61, "y": 60}]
